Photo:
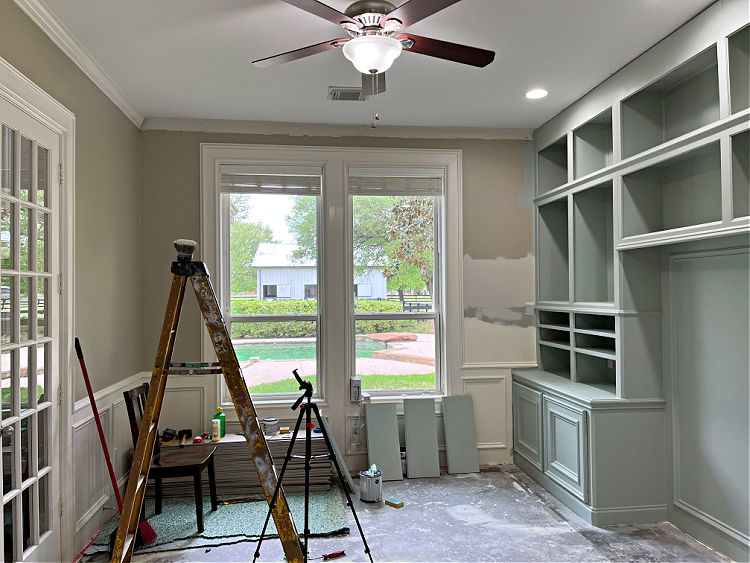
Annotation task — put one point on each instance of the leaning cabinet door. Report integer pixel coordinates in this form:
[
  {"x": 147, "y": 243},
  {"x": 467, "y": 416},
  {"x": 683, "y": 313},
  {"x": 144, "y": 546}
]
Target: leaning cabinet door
[
  {"x": 566, "y": 446},
  {"x": 527, "y": 424}
]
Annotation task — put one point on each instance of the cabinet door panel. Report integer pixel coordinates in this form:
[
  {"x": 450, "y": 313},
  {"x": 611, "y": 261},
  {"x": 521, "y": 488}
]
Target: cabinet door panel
[
  {"x": 527, "y": 424},
  {"x": 566, "y": 446}
]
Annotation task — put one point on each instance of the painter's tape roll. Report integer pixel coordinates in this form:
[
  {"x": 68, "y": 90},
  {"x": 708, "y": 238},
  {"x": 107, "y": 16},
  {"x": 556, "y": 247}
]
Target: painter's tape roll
[{"x": 370, "y": 486}]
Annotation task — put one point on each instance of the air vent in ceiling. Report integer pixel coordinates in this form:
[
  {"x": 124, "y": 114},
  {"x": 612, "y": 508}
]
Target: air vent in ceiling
[{"x": 346, "y": 94}]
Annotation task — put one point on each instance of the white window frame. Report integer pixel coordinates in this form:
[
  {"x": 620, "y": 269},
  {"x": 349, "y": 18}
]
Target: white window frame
[{"x": 334, "y": 241}]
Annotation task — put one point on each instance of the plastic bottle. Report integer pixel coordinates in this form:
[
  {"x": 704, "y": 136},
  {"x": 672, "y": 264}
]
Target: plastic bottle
[
  {"x": 222, "y": 418},
  {"x": 215, "y": 430}
]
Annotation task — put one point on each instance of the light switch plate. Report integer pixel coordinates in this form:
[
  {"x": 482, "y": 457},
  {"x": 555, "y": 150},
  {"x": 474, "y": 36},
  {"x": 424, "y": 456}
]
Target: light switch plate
[{"x": 529, "y": 309}]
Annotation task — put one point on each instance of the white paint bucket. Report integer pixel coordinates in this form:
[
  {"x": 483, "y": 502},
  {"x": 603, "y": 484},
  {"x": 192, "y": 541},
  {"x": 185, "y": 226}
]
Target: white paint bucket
[
  {"x": 270, "y": 425},
  {"x": 370, "y": 486}
]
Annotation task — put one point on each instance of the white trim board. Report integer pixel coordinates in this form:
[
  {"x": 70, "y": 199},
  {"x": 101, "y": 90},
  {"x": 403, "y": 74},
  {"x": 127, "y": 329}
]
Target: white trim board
[
  {"x": 60, "y": 36},
  {"x": 198, "y": 125}
]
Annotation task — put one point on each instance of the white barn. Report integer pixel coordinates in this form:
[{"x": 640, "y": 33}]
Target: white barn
[{"x": 280, "y": 276}]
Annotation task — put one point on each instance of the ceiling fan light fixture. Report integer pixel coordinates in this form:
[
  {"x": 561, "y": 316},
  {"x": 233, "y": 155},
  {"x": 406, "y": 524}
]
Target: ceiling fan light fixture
[{"x": 372, "y": 54}]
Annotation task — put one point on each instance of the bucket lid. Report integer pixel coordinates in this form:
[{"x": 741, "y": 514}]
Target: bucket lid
[{"x": 270, "y": 419}]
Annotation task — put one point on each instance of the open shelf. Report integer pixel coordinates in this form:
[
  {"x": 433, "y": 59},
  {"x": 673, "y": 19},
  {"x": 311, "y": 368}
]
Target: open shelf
[
  {"x": 739, "y": 70},
  {"x": 554, "y": 319},
  {"x": 592, "y": 145},
  {"x": 600, "y": 346},
  {"x": 600, "y": 325},
  {"x": 553, "y": 251},
  {"x": 741, "y": 174},
  {"x": 554, "y": 360},
  {"x": 685, "y": 99},
  {"x": 554, "y": 336},
  {"x": 594, "y": 245},
  {"x": 596, "y": 372},
  {"x": 552, "y": 166},
  {"x": 679, "y": 192}
]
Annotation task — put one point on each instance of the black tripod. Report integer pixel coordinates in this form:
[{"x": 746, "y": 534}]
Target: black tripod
[{"x": 306, "y": 410}]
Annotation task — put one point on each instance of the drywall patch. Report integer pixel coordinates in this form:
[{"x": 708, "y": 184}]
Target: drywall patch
[
  {"x": 496, "y": 291},
  {"x": 526, "y": 196}
]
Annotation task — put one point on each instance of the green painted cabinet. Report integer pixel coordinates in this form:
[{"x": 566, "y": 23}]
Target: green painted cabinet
[
  {"x": 527, "y": 424},
  {"x": 566, "y": 446}
]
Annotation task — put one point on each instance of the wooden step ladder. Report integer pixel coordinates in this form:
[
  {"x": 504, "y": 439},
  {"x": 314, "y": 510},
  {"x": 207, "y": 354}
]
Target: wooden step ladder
[{"x": 182, "y": 269}]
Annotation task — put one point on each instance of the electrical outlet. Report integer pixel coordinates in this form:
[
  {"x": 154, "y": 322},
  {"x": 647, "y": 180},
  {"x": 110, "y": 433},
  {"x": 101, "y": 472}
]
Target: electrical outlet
[{"x": 356, "y": 437}]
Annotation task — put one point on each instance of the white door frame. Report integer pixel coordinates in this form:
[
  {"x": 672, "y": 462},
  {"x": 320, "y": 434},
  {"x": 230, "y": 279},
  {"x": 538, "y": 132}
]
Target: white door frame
[{"x": 27, "y": 96}]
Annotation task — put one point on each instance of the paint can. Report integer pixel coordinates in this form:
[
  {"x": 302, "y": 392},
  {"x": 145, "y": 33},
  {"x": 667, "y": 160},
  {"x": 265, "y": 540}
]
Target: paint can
[
  {"x": 270, "y": 425},
  {"x": 370, "y": 486}
]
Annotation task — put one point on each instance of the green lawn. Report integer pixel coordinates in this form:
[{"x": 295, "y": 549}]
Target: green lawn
[
  {"x": 369, "y": 382},
  {"x": 24, "y": 394}
]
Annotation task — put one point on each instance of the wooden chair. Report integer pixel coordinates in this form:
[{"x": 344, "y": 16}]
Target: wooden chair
[{"x": 173, "y": 462}]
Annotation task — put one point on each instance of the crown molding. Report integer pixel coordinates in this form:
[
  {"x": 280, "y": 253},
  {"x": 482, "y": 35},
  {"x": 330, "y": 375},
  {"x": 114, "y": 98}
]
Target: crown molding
[
  {"x": 327, "y": 130},
  {"x": 61, "y": 37}
]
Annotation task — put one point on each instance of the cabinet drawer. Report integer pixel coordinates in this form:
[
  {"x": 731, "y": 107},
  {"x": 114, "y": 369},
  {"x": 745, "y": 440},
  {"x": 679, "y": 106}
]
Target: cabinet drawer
[
  {"x": 566, "y": 446},
  {"x": 527, "y": 424}
]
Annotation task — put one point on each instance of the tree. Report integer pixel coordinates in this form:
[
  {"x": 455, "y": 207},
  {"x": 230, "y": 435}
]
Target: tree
[
  {"x": 244, "y": 238},
  {"x": 393, "y": 233}
]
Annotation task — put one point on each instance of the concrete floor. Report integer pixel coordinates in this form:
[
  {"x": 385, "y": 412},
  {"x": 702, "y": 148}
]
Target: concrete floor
[{"x": 497, "y": 515}]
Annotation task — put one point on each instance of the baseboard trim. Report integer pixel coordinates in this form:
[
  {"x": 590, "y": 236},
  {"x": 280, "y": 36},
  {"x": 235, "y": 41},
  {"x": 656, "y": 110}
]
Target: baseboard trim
[
  {"x": 716, "y": 537},
  {"x": 594, "y": 516}
]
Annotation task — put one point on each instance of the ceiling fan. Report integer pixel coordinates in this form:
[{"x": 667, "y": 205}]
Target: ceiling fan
[{"x": 375, "y": 38}]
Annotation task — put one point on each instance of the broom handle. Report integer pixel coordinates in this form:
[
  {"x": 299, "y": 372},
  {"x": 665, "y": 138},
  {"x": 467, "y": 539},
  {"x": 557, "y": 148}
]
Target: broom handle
[{"x": 79, "y": 352}]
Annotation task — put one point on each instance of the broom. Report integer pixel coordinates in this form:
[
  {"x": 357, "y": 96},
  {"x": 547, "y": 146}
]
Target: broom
[{"x": 146, "y": 533}]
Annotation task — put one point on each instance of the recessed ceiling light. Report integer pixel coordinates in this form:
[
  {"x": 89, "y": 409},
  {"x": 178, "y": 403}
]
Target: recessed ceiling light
[{"x": 536, "y": 94}]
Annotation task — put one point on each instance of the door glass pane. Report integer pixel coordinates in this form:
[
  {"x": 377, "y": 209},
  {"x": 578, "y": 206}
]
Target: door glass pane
[
  {"x": 8, "y": 530},
  {"x": 269, "y": 351},
  {"x": 27, "y": 445},
  {"x": 7, "y": 159},
  {"x": 42, "y": 176},
  {"x": 25, "y": 354},
  {"x": 393, "y": 249},
  {"x": 7, "y": 235},
  {"x": 395, "y": 354},
  {"x": 44, "y": 504},
  {"x": 24, "y": 312},
  {"x": 9, "y": 456},
  {"x": 26, "y": 146},
  {"x": 42, "y": 355},
  {"x": 26, "y": 512},
  {"x": 7, "y": 385},
  {"x": 7, "y": 308},
  {"x": 41, "y": 239},
  {"x": 43, "y": 431},
  {"x": 42, "y": 292},
  {"x": 23, "y": 237}
]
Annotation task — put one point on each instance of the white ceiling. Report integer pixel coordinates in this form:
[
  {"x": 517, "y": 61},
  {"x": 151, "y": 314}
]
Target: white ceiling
[{"x": 191, "y": 58}]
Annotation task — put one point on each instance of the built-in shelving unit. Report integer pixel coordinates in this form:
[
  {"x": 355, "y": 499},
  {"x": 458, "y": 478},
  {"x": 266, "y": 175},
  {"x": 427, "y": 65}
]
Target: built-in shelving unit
[
  {"x": 741, "y": 174},
  {"x": 552, "y": 166},
  {"x": 685, "y": 99},
  {"x": 592, "y": 145},
  {"x": 553, "y": 251},
  {"x": 594, "y": 245},
  {"x": 657, "y": 155},
  {"x": 681, "y": 191},
  {"x": 739, "y": 70}
]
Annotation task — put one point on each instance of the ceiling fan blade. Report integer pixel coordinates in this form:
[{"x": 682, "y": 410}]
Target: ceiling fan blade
[
  {"x": 373, "y": 84},
  {"x": 449, "y": 51},
  {"x": 300, "y": 53},
  {"x": 411, "y": 11},
  {"x": 324, "y": 11}
]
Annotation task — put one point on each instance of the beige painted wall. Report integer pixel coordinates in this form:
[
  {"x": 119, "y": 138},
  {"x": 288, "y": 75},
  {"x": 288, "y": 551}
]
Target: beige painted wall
[
  {"x": 497, "y": 231},
  {"x": 107, "y": 247}
]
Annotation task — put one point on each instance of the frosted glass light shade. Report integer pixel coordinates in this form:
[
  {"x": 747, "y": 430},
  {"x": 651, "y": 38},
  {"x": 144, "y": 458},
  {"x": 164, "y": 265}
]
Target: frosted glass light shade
[{"x": 372, "y": 53}]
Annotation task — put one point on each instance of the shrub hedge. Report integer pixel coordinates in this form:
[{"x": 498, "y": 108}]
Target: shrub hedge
[{"x": 299, "y": 329}]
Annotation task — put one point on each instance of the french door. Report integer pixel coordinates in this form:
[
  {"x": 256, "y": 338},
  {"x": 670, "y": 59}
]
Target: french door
[{"x": 29, "y": 328}]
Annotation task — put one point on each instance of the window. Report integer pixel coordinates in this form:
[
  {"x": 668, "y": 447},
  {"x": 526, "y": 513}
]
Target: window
[
  {"x": 353, "y": 296},
  {"x": 269, "y": 247},
  {"x": 311, "y": 291},
  {"x": 396, "y": 304},
  {"x": 269, "y": 292}
]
